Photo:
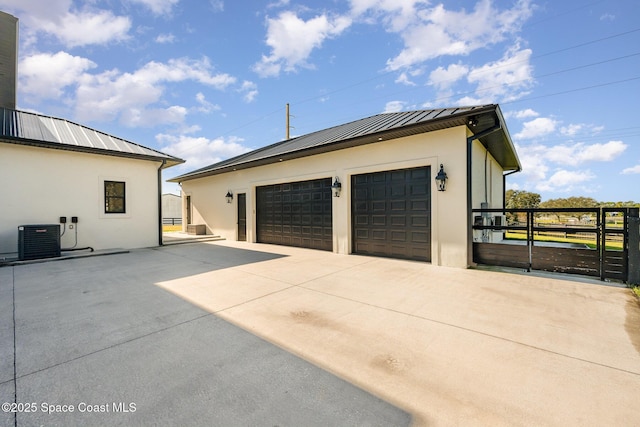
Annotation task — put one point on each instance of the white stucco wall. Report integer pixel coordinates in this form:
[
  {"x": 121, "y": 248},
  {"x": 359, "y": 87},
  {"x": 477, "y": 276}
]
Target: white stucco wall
[
  {"x": 449, "y": 213},
  {"x": 171, "y": 206},
  {"x": 486, "y": 186},
  {"x": 41, "y": 185}
]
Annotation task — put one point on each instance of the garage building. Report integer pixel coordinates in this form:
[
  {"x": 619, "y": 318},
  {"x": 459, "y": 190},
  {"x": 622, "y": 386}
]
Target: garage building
[{"x": 365, "y": 187}]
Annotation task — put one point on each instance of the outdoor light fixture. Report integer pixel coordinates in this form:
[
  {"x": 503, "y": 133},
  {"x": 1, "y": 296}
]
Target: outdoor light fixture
[
  {"x": 441, "y": 178},
  {"x": 336, "y": 187},
  {"x": 473, "y": 121},
  {"x": 229, "y": 196}
]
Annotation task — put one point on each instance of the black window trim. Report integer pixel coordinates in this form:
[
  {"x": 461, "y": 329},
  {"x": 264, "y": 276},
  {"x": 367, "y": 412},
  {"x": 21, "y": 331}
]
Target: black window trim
[{"x": 107, "y": 198}]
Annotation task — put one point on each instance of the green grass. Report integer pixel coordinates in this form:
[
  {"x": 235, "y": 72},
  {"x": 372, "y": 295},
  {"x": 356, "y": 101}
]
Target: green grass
[
  {"x": 636, "y": 290},
  {"x": 518, "y": 235}
]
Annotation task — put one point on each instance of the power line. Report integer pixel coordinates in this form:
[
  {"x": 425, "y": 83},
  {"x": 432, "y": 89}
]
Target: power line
[
  {"x": 376, "y": 77},
  {"x": 509, "y": 64},
  {"x": 572, "y": 90}
]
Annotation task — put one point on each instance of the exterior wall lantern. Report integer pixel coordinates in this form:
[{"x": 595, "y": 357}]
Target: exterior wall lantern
[
  {"x": 441, "y": 179},
  {"x": 336, "y": 187},
  {"x": 229, "y": 196}
]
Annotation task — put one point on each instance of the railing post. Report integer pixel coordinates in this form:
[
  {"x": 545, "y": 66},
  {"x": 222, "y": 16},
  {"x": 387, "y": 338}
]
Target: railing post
[
  {"x": 530, "y": 238},
  {"x": 633, "y": 222},
  {"x": 601, "y": 240}
]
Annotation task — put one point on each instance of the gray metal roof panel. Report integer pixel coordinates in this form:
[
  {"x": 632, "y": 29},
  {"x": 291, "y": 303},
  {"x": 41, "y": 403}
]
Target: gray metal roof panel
[
  {"x": 20, "y": 127},
  {"x": 366, "y": 130}
]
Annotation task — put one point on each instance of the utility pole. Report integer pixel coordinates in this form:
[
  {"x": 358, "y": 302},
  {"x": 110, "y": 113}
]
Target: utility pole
[{"x": 288, "y": 126}]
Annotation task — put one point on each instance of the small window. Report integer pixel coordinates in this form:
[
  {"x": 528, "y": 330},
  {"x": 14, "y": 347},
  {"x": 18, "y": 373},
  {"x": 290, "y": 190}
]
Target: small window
[{"x": 114, "y": 197}]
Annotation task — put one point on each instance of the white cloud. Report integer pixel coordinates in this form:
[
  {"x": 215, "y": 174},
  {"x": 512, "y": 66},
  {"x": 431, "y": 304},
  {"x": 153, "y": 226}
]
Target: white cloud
[
  {"x": 87, "y": 28},
  {"x": 607, "y": 17},
  {"x": 278, "y": 4},
  {"x": 506, "y": 79},
  {"x": 576, "y": 128},
  {"x": 200, "y": 151},
  {"x": 448, "y": 32},
  {"x": 72, "y": 25},
  {"x": 158, "y": 7},
  {"x": 632, "y": 170},
  {"x": 539, "y": 160},
  {"x": 578, "y": 153},
  {"x": 165, "y": 38},
  {"x": 444, "y": 78},
  {"x": 521, "y": 114},
  {"x": 205, "y": 106},
  {"x": 565, "y": 181},
  {"x": 395, "y": 14},
  {"x": 148, "y": 117},
  {"x": 571, "y": 130},
  {"x": 404, "y": 79},
  {"x": 394, "y": 106},
  {"x": 534, "y": 164},
  {"x": 292, "y": 40},
  {"x": 46, "y": 75},
  {"x": 217, "y": 5},
  {"x": 111, "y": 94},
  {"x": 134, "y": 98},
  {"x": 537, "y": 128},
  {"x": 249, "y": 90}
]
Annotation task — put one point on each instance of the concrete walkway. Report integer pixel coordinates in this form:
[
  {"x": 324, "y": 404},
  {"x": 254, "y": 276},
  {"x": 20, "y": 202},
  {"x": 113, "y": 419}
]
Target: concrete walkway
[{"x": 445, "y": 346}]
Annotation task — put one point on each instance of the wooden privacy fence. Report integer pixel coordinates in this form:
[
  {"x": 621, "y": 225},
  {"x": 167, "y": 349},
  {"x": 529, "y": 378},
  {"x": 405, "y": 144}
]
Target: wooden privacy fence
[{"x": 601, "y": 242}]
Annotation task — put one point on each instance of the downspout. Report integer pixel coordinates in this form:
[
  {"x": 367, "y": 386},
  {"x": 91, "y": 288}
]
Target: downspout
[
  {"x": 162, "y": 165},
  {"x": 504, "y": 186},
  {"x": 470, "y": 140}
]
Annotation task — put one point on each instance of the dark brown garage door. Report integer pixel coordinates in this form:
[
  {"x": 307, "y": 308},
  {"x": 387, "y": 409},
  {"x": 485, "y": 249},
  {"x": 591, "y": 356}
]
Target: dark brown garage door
[
  {"x": 391, "y": 213},
  {"x": 295, "y": 214}
]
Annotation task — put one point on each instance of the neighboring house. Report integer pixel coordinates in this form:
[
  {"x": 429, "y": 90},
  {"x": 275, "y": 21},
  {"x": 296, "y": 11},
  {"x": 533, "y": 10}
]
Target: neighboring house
[
  {"x": 389, "y": 203},
  {"x": 52, "y": 168},
  {"x": 171, "y": 208}
]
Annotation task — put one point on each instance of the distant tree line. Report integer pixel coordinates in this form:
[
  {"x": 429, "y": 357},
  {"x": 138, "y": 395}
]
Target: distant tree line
[{"x": 519, "y": 199}]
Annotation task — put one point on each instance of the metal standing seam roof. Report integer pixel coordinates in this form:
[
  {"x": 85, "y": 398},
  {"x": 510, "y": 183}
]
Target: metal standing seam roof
[
  {"x": 372, "y": 129},
  {"x": 20, "y": 127}
]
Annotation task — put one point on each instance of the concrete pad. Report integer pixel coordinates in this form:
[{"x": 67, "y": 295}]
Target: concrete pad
[
  {"x": 103, "y": 333},
  {"x": 7, "y": 386},
  {"x": 561, "y": 316},
  {"x": 7, "y": 394},
  {"x": 219, "y": 290},
  {"x": 453, "y": 346},
  {"x": 6, "y": 325},
  {"x": 205, "y": 372}
]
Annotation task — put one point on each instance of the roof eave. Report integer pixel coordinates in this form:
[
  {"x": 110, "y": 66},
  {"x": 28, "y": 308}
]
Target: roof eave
[
  {"x": 169, "y": 160},
  {"x": 414, "y": 129},
  {"x": 500, "y": 144}
]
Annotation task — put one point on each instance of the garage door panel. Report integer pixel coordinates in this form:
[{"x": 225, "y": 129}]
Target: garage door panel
[
  {"x": 419, "y": 174},
  {"x": 378, "y": 206},
  {"x": 398, "y": 221},
  {"x": 419, "y": 221},
  {"x": 418, "y": 237},
  {"x": 419, "y": 205},
  {"x": 378, "y": 192},
  {"x": 378, "y": 220},
  {"x": 295, "y": 214},
  {"x": 398, "y": 205},
  {"x": 391, "y": 213},
  {"x": 418, "y": 190},
  {"x": 399, "y": 236}
]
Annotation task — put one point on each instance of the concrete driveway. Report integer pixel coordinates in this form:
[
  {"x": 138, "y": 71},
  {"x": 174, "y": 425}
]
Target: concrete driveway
[{"x": 227, "y": 333}]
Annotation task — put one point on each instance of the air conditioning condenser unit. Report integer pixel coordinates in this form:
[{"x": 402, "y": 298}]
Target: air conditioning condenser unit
[{"x": 38, "y": 241}]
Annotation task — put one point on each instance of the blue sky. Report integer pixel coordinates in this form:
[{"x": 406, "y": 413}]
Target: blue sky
[{"x": 208, "y": 80}]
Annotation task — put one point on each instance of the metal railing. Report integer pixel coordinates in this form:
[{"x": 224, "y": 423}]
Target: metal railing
[
  {"x": 575, "y": 232},
  {"x": 172, "y": 221}
]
